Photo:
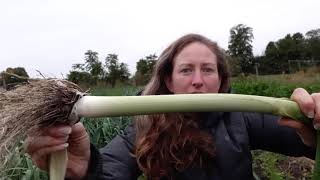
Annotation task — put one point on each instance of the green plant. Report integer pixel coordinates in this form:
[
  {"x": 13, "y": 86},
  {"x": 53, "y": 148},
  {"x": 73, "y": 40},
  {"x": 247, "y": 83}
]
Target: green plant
[
  {"x": 103, "y": 130},
  {"x": 266, "y": 165}
]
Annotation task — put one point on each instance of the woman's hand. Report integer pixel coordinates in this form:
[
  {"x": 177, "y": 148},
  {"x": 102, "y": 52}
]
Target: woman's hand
[
  {"x": 74, "y": 138},
  {"x": 310, "y": 106}
]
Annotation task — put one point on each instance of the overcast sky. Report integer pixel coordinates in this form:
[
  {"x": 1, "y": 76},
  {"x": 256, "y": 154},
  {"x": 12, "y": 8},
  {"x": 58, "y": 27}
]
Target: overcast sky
[{"x": 51, "y": 35}]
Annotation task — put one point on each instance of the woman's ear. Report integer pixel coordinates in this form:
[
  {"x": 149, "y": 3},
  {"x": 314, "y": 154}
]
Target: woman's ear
[{"x": 168, "y": 82}]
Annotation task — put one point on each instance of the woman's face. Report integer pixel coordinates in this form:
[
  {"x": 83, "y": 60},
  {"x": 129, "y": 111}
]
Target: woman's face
[{"x": 194, "y": 71}]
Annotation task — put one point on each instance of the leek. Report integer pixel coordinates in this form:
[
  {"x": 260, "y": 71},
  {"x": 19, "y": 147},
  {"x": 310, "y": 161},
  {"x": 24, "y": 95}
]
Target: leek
[{"x": 95, "y": 106}]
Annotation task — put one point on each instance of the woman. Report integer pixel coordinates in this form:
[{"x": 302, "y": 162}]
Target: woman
[{"x": 184, "y": 145}]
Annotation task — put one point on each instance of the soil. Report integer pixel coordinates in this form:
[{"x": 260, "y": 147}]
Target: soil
[
  {"x": 298, "y": 168},
  {"x": 294, "y": 168}
]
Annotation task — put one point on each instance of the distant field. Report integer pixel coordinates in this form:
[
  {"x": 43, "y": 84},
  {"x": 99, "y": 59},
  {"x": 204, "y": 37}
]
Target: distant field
[
  {"x": 117, "y": 91},
  {"x": 307, "y": 77}
]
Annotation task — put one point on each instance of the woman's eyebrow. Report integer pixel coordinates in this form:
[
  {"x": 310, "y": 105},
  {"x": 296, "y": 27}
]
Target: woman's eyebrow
[
  {"x": 209, "y": 64},
  {"x": 185, "y": 64}
]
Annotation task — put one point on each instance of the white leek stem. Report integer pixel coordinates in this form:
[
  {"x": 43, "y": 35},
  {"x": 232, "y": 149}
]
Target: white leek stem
[
  {"x": 101, "y": 106},
  {"x": 58, "y": 165}
]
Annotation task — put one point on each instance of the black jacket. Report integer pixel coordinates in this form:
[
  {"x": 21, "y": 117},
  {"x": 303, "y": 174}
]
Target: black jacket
[{"x": 235, "y": 135}]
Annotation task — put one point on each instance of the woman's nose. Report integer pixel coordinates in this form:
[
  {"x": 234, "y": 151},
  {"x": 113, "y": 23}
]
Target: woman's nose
[{"x": 197, "y": 80}]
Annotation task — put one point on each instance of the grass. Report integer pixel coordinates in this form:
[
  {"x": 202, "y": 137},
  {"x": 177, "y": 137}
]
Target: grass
[
  {"x": 103, "y": 130},
  {"x": 272, "y": 86},
  {"x": 117, "y": 91},
  {"x": 265, "y": 164},
  {"x": 22, "y": 168}
]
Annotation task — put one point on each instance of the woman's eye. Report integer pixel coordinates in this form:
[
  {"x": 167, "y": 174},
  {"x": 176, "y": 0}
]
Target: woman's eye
[
  {"x": 208, "y": 70},
  {"x": 187, "y": 70}
]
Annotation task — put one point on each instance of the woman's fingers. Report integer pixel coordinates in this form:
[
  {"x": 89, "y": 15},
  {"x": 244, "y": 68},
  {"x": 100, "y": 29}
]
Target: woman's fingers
[
  {"x": 305, "y": 101},
  {"x": 292, "y": 124},
  {"x": 40, "y": 145},
  {"x": 306, "y": 133},
  {"x": 47, "y": 137},
  {"x": 316, "y": 100},
  {"x": 310, "y": 106},
  {"x": 35, "y": 143},
  {"x": 78, "y": 134},
  {"x": 79, "y": 141},
  {"x": 59, "y": 131},
  {"x": 40, "y": 157}
]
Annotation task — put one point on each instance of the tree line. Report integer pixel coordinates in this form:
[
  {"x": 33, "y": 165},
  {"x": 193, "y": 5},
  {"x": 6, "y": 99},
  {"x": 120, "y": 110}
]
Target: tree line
[
  {"x": 296, "y": 48},
  {"x": 286, "y": 55},
  {"x": 111, "y": 71},
  {"x": 301, "y": 50}
]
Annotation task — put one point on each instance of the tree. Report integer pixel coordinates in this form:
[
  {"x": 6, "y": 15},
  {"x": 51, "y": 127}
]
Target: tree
[
  {"x": 277, "y": 54},
  {"x": 124, "y": 73},
  {"x": 270, "y": 64},
  {"x": 89, "y": 72},
  {"x": 287, "y": 48},
  {"x": 291, "y": 47},
  {"x": 13, "y": 76},
  {"x": 313, "y": 44},
  {"x": 299, "y": 48},
  {"x": 272, "y": 50},
  {"x": 144, "y": 69},
  {"x": 91, "y": 57},
  {"x": 313, "y": 34},
  {"x": 112, "y": 66},
  {"x": 80, "y": 77},
  {"x": 93, "y": 70},
  {"x": 240, "y": 47},
  {"x": 78, "y": 67},
  {"x": 20, "y": 71},
  {"x": 97, "y": 70},
  {"x": 92, "y": 64},
  {"x": 234, "y": 66}
]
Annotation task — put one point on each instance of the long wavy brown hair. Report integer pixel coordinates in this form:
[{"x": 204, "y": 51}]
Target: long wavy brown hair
[{"x": 169, "y": 143}]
